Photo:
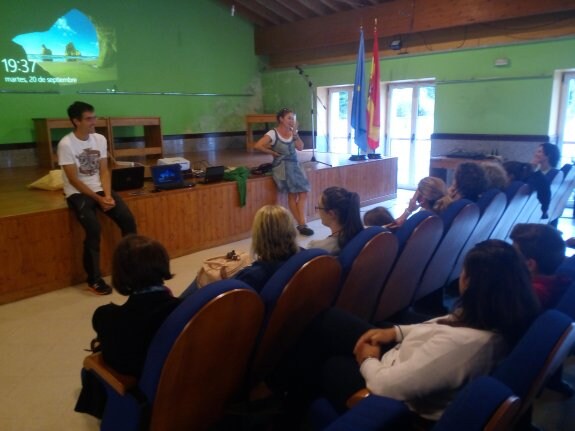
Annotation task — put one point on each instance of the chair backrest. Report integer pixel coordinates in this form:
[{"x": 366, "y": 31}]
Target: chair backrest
[
  {"x": 483, "y": 404},
  {"x": 559, "y": 200},
  {"x": 517, "y": 195},
  {"x": 354, "y": 247},
  {"x": 491, "y": 204},
  {"x": 460, "y": 218},
  {"x": 555, "y": 186},
  {"x": 566, "y": 304},
  {"x": 536, "y": 356},
  {"x": 191, "y": 352},
  {"x": 361, "y": 287},
  {"x": 529, "y": 208},
  {"x": 291, "y": 306},
  {"x": 398, "y": 291}
]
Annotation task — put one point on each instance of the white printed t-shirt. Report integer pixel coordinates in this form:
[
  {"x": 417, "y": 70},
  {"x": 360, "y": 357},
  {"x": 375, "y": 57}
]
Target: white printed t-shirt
[{"x": 86, "y": 156}]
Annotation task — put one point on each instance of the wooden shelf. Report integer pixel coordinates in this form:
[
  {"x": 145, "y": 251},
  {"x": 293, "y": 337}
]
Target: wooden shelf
[
  {"x": 48, "y": 158},
  {"x": 255, "y": 119}
]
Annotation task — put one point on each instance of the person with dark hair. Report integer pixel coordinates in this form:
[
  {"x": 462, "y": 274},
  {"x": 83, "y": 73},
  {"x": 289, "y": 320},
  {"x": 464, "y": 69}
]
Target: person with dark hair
[
  {"x": 289, "y": 176},
  {"x": 378, "y": 216},
  {"x": 339, "y": 210},
  {"x": 520, "y": 171},
  {"x": 82, "y": 154},
  {"x": 469, "y": 182},
  {"x": 423, "y": 364},
  {"x": 544, "y": 251},
  {"x": 546, "y": 159},
  {"x": 140, "y": 266}
]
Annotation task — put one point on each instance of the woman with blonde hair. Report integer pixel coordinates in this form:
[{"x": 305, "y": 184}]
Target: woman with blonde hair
[
  {"x": 431, "y": 195},
  {"x": 273, "y": 243}
]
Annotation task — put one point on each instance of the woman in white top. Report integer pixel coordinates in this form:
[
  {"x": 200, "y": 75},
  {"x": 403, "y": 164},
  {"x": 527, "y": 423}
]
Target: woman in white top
[
  {"x": 338, "y": 209},
  {"x": 423, "y": 364}
]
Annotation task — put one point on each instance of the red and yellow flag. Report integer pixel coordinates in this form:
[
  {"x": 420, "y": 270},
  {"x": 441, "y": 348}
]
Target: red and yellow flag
[{"x": 373, "y": 113}]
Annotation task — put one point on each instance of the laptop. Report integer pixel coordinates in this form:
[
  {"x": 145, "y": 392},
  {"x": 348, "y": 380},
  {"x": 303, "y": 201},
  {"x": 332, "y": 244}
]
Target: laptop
[
  {"x": 169, "y": 177},
  {"x": 214, "y": 174},
  {"x": 127, "y": 178}
]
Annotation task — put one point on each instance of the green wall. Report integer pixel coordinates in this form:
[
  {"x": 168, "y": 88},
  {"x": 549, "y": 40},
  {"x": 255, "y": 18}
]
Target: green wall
[
  {"x": 168, "y": 46},
  {"x": 472, "y": 95}
]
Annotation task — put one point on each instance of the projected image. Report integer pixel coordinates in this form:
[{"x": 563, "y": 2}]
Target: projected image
[{"x": 75, "y": 50}]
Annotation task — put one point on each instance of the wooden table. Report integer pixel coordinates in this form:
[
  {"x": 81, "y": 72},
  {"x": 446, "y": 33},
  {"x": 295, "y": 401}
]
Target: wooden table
[{"x": 255, "y": 119}]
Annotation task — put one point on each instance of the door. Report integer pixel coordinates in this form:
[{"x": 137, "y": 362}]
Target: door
[
  {"x": 339, "y": 119},
  {"x": 409, "y": 127}
]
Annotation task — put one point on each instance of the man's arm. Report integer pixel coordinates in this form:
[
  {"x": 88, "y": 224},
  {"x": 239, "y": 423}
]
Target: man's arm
[{"x": 72, "y": 175}]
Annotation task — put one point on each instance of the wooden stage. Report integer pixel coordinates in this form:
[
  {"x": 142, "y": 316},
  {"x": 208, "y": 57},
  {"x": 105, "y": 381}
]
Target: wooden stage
[{"x": 41, "y": 242}]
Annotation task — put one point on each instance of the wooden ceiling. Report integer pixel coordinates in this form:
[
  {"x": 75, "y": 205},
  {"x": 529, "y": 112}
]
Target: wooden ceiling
[
  {"x": 265, "y": 13},
  {"x": 292, "y": 32}
]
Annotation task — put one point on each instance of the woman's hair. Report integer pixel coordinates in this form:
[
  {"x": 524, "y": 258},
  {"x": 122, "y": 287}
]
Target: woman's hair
[
  {"x": 470, "y": 180},
  {"x": 378, "y": 216},
  {"x": 273, "y": 234},
  {"x": 499, "y": 296},
  {"x": 345, "y": 205},
  {"x": 434, "y": 191},
  {"x": 496, "y": 176},
  {"x": 518, "y": 171},
  {"x": 552, "y": 153},
  {"x": 139, "y": 262},
  {"x": 282, "y": 113}
]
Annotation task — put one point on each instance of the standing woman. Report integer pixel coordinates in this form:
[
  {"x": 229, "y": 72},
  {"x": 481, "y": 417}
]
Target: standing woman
[{"x": 282, "y": 143}]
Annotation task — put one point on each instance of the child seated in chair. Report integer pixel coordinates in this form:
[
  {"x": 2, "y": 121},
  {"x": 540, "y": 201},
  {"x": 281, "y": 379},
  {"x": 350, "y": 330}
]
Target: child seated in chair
[
  {"x": 544, "y": 250},
  {"x": 140, "y": 266}
]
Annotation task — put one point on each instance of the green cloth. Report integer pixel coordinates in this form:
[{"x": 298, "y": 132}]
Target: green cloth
[{"x": 240, "y": 175}]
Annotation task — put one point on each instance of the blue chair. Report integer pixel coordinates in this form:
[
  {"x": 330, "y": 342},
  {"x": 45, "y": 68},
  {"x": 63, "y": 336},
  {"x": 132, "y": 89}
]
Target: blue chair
[
  {"x": 302, "y": 288},
  {"x": 517, "y": 195},
  {"x": 417, "y": 240},
  {"x": 188, "y": 375},
  {"x": 491, "y": 205},
  {"x": 459, "y": 220},
  {"x": 535, "y": 358},
  {"x": 484, "y": 404},
  {"x": 559, "y": 200},
  {"x": 366, "y": 262}
]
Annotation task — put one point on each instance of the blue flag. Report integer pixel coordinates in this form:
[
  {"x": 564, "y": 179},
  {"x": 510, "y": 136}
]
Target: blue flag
[{"x": 358, "y": 106}]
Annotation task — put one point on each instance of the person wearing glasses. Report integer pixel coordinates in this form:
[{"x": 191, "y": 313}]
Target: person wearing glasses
[
  {"x": 289, "y": 176},
  {"x": 339, "y": 210},
  {"x": 82, "y": 154}
]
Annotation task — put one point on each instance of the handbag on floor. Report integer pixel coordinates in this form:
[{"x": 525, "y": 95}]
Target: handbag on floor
[{"x": 222, "y": 267}]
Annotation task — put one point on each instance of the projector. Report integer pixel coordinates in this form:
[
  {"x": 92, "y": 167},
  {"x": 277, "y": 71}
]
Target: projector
[{"x": 184, "y": 163}]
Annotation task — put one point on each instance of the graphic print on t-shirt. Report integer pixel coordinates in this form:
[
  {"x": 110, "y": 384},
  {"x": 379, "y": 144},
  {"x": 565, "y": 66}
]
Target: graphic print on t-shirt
[{"x": 89, "y": 161}]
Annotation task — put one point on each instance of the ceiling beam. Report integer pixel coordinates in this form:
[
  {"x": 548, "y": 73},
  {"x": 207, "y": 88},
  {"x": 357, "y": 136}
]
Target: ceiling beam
[
  {"x": 397, "y": 17},
  {"x": 333, "y": 7},
  {"x": 317, "y": 8},
  {"x": 285, "y": 14}
]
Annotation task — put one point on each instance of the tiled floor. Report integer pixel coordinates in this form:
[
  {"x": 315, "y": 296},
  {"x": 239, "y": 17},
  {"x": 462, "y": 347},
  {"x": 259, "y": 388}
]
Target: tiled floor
[{"x": 43, "y": 340}]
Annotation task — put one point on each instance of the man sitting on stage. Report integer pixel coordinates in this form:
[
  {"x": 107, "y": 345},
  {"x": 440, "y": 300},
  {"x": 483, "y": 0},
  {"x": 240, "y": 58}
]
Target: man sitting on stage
[{"x": 83, "y": 157}]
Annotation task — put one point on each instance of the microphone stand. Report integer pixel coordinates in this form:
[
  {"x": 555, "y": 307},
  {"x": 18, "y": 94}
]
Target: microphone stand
[{"x": 312, "y": 100}]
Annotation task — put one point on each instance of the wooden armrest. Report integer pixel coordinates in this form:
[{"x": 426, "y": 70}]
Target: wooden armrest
[
  {"x": 357, "y": 397},
  {"x": 121, "y": 383}
]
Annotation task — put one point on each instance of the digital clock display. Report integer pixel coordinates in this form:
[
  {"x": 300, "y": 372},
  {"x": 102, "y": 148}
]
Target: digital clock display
[{"x": 13, "y": 65}]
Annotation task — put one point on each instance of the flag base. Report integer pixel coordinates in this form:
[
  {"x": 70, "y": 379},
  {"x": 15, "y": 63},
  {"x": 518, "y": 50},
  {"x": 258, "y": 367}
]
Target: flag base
[
  {"x": 357, "y": 157},
  {"x": 374, "y": 156}
]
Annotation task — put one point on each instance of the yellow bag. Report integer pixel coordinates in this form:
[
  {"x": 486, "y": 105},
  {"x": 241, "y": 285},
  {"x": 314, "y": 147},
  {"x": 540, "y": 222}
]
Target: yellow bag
[
  {"x": 222, "y": 267},
  {"x": 51, "y": 181}
]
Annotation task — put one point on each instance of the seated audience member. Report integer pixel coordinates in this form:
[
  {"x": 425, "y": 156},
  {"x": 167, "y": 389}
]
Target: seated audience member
[
  {"x": 423, "y": 364},
  {"x": 546, "y": 158},
  {"x": 339, "y": 210},
  {"x": 544, "y": 250},
  {"x": 469, "y": 182},
  {"x": 140, "y": 266},
  {"x": 431, "y": 195},
  {"x": 273, "y": 242},
  {"x": 496, "y": 176},
  {"x": 519, "y": 171},
  {"x": 378, "y": 216}
]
